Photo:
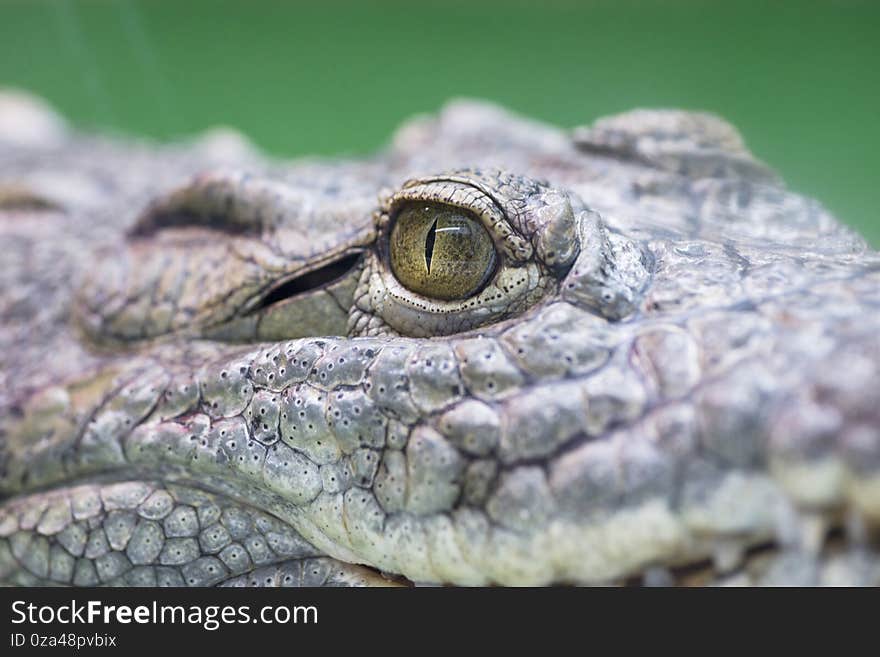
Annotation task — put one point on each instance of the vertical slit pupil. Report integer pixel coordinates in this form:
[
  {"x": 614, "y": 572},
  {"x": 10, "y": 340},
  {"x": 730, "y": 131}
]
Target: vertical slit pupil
[{"x": 429, "y": 245}]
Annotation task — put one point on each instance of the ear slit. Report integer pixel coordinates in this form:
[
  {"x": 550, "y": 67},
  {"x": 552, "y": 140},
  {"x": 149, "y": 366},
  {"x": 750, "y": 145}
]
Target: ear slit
[{"x": 312, "y": 280}]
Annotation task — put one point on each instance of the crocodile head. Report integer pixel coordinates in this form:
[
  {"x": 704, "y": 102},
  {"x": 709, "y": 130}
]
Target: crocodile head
[{"x": 497, "y": 352}]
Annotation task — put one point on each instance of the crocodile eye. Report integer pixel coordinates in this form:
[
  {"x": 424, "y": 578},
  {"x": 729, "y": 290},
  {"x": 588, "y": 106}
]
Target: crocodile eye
[{"x": 440, "y": 251}]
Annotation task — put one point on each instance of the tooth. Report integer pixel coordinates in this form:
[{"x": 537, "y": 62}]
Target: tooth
[
  {"x": 727, "y": 555},
  {"x": 657, "y": 576},
  {"x": 814, "y": 529},
  {"x": 800, "y": 530},
  {"x": 787, "y": 525}
]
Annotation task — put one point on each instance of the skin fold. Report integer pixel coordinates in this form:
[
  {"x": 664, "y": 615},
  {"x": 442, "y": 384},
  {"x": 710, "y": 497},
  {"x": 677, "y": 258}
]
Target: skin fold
[{"x": 624, "y": 353}]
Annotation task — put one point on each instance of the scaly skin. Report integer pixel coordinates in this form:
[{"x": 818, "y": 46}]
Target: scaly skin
[{"x": 670, "y": 377}]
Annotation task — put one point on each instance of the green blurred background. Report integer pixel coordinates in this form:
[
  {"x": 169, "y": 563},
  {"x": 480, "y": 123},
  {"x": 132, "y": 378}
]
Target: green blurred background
[{"x": 800, "y": 79}]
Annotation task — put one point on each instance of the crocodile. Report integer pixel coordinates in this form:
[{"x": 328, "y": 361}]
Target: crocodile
[{"x": 495, "y": 353}]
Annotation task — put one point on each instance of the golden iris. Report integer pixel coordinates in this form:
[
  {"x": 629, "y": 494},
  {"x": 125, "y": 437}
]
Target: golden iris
[{"x": 440, "y": 251}]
